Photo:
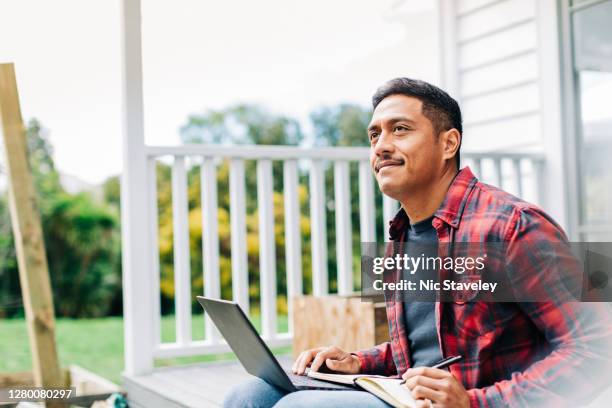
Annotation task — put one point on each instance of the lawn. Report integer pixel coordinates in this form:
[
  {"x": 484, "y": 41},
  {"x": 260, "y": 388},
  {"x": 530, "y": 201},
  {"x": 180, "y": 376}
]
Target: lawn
[{"x": 97, "y": 344}]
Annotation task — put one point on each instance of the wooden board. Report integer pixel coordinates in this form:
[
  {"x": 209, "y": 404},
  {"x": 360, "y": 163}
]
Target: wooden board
[
  {"x": 29, "y": 244},
  {"x": 192, "y": 386},
  {"x": 346, "y": 322}
]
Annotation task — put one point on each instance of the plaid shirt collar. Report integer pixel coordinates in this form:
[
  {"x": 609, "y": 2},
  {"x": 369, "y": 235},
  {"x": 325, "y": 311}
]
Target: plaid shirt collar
[{"x": 450, "y": 210}]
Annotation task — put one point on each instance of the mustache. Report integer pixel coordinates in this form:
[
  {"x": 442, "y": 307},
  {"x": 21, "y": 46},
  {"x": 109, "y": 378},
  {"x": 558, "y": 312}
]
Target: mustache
[{"x": 384, "y": 161}]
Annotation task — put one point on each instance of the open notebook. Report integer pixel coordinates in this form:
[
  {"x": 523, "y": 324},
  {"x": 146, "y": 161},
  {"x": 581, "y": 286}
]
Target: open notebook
[{"x": 386, "y": 388}]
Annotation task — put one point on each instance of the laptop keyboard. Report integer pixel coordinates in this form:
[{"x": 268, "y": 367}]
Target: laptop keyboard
[{"x": 302, "y": 381}]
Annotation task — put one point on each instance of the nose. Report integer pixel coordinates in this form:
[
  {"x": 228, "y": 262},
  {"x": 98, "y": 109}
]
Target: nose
[{"x": 384, "y": 145}]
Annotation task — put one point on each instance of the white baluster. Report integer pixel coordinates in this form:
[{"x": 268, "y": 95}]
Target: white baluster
[
  {"x": 478, "y": 168},
  {"x": 498, "y": 172},
  {"x": 154, "y": 248},
  {"x": 344, "y": 239},
  {"x": 367, "y": 206},
  {"x": 293, "y": 244},
  {"x": 267, "y": 255},
  {"x": 182, "y": 275},
  {"x": 210, "y": 239},
  {"x": 240, "y": 272},
  {"x": 516, "y": 167},
  {"x": 318, "y": 240}
]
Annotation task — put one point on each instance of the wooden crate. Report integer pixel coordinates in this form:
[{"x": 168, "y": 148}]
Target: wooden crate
[{"x": 347, "y": 322}]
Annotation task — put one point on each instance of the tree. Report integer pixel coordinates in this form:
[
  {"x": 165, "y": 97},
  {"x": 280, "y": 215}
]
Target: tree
[{"x": 81, "y": 240}]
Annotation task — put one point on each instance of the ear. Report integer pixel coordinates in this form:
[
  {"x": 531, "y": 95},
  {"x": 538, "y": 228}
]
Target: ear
[{"x": 451, "y": 141}]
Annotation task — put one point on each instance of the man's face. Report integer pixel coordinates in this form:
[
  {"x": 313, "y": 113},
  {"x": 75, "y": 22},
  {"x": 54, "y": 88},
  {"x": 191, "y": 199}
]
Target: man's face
[{"x": 404, "y": 153}]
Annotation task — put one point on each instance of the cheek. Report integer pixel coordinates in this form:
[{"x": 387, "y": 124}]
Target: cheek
[{"x": 372, "y": 160}]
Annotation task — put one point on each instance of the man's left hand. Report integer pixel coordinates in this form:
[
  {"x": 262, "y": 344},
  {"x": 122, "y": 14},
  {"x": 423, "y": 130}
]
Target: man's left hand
[{"x": 437, "y": 386}]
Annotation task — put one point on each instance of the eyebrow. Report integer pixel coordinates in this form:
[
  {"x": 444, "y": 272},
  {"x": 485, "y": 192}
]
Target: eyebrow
[{"x": 391, "y": 121}]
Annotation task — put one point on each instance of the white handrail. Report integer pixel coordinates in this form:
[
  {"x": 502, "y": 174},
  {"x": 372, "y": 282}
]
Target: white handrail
[{"x": 260, "y": 152}]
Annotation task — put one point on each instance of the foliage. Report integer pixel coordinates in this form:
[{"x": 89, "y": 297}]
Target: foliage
[{"x": 81, "y": 241}]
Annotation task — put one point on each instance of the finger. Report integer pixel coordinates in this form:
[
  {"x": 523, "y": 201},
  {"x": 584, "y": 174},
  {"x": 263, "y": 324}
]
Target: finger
[
  {"x": 422, "y": 392},
  {"x": 422, "y": 404},
  {"x": 428, "y": 382},
  {"x": 338, "y": 365},
  {"x": 427, "y": 372},
  {"x": 305, "y": 359},
  {"x": 321, "y": 356},
  {"x": 297, "y": 361}
]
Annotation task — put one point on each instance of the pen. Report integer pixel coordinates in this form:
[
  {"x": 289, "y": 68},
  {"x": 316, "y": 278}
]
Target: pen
[{"x": 445, "y": 362}]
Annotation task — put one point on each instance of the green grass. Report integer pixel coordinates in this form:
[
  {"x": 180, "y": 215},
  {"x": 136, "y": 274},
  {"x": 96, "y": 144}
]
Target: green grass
[{"x": 97, "y": 344}]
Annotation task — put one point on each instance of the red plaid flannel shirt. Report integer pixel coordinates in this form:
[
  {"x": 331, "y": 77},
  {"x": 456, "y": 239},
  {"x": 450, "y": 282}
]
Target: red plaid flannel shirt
[{"x": 514, "y": 354}]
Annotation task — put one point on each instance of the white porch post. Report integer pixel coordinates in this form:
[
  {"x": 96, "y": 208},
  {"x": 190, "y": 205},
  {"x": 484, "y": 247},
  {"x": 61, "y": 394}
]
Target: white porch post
[
  {"x": 137, "y": 271},
  {"x": 557, "y": 142}
]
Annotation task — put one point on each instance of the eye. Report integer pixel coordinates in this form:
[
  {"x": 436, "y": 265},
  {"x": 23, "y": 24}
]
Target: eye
[
  {"x": 400, "y": 128},
  {"x": 373, "y": 135}
]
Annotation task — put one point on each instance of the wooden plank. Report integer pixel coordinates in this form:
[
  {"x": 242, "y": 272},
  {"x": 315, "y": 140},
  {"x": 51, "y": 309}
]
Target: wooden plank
[
  {"x": 344, "y": 236},
  {"x": 210, "y": 240},
  {"x": 524, "y": 68},
  {"x": 293, "y": 237},
  {"x": 240, "y": 271},
  {"x": 28, "y": 237},
  {"x": 494, "y": 19},
  {"x": 267, "y": 252},
  {"x": 318, "y": 241},
  {"x": 182, "y": 274},
  {"x": 23, "y": 378},
  {"x": 517, "y": 133},
  {"x": 87, "y": 382},
  {"x": 203, "y": 384},
  {"x": 492, "y": 48},
  {"x": 349, "y": 323},
  {"x": 502, "y": 104}
]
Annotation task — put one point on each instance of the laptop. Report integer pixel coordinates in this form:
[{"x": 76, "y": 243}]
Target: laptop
[{"x": 254, "y": 355}]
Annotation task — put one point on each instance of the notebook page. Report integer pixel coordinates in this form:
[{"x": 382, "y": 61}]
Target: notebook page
[{"x": 400, "y": 395}]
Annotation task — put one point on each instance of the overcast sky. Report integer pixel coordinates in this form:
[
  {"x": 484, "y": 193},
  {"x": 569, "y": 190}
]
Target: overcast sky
[{"x": 290, "y": 56}]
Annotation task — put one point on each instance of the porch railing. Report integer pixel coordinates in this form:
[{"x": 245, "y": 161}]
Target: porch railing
[{"x": 516, "y": 172}]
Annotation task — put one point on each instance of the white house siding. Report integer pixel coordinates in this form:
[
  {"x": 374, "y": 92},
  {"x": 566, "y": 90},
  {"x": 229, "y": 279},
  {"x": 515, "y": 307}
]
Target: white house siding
[{"x": 501, "y": 62}]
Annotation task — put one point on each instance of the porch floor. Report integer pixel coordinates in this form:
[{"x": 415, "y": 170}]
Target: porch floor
[{"x": 193, "y": 386}]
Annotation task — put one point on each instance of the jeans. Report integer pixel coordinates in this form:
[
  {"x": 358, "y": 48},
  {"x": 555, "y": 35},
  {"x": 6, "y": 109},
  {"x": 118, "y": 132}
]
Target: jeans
[{"x": 257, "y": 393}]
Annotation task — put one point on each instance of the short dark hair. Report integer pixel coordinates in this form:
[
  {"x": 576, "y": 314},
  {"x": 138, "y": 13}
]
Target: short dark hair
[{"x": 438, "y": 106}]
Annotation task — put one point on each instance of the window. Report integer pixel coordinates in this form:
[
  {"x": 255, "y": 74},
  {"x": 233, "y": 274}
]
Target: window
[{"x": 591, "y": 40}]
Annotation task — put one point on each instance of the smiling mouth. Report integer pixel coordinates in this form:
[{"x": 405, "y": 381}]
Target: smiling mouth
[{"x": 388, "y": 163}]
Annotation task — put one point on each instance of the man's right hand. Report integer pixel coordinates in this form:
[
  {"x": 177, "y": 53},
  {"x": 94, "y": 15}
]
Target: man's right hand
[{"x": 334, "y": 358}]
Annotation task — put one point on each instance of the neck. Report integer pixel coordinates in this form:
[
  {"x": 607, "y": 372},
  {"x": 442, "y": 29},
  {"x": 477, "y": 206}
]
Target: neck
[{"x": 420, "y": 205}]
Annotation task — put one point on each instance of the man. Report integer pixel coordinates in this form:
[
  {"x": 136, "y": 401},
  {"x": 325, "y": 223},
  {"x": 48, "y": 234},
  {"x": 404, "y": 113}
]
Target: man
[{"x": 514, "y": 354}]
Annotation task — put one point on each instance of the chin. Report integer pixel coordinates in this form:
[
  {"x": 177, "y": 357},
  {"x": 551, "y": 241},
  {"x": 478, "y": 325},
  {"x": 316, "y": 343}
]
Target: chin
[{"x": 390, "y": 187}]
